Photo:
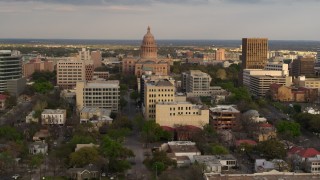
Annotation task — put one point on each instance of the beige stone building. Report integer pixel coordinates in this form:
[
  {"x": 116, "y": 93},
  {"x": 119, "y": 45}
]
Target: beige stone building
[
  {"x": 157, "y": 91},
  {"x": 101, "y": 94},
  {"x": 148, "y": 60},
  {"x": 173, "y": 114},
  {"x": 69, "y": 72},
  {"x": 220, "y": 54},
  {"x": 54, "y": 116}
]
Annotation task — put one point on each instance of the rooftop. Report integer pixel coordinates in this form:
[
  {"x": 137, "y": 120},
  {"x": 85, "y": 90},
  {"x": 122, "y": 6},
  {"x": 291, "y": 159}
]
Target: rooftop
[
  {"x": 54, "y": 111},
  {"x": 182, "y": 146},
  {"x": 103, "y": 84},
  {"x": 224, "y": 108}
]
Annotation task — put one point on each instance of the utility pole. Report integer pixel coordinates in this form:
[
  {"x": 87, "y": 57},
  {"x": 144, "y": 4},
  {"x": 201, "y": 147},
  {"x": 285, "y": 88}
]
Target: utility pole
[{"x": 156, "y": 171}]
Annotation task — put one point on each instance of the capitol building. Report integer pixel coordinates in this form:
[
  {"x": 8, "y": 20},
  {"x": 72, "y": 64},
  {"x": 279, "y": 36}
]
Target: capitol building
[{"x": 148, "y": 62}]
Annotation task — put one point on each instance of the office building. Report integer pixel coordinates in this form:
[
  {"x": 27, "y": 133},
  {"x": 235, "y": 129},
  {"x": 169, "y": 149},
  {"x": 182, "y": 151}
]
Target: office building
[
  {"x": 175, "y": 114},
  {"x": 98, "y": 94},
  {"x": 302, "y": 81},
  {"x": 224, "y": 117},
  {"x": 36, "y": 65},
  {"x": 148, "y": 62},
  {"x": 254, "y": 53},
  {"x": 84, "y": 55},
  {"x": 196, "y": 82},
  {"x": 16, "y": 86},
  {"x": 220, "y": 54},
  {"x": 303, "y": 66},
  {"x": 10, "y": 67},
  {"x": 69, "y": 72},
  {"x": 260, "y": 84},
  {"x": 96, "y": 57},
  {"x": 101, "y": 74},
  {"x": 157, "y": 91}
]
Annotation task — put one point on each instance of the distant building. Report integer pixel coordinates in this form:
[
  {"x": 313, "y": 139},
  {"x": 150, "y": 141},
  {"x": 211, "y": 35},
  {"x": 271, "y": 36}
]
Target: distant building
[
  {"x": 220, "y": 54},
  {"x": 303, "y": 66},
  {"x": 101, "y": 74},
  {"x": 287, "y": 94},
  {"x": 54, "y": 116},
  {"x": 88, "y": 172},
  {"x": 196, "y": 82},
  {"x": 98, "y": 94},
  {"x": 148, "y": 61},
  {"x": 254, "y": 53},
  {"x": 173, "y": 114},
  {"x": 69, "y": 72},
  {"x": 223, "y": 117},
  {"x": 96, "y": 57},
  {"x": 10, "y": 68},
  {"x": 36, "y": 65},
  {"x": 302, "y": 81},
  {"x": 318, "y": 55}
]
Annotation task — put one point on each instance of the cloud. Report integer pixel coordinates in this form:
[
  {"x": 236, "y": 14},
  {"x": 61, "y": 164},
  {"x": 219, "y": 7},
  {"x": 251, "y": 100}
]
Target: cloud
[{"x": 111, "y": 2}]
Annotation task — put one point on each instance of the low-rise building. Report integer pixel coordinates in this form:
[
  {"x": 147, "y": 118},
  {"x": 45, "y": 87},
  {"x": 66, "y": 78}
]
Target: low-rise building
[
  {"x": 173, "y": 114},
  {"x": 313, "y": 164},
  {"x": 41, "y": 135},
  {"x": 38, "y": 148},
  {"x": 283, "y": 93},
  {"x": 262, "y": 165},
  {"x": 30, "y": 118},
  {"x": 301, "y": 154},
  {"x": 224, "y": 117},
  {"x": 181, "y": 151},
  {"x": 101, "y": 74},
  {"x": 96, "y": 116},
  {"x": 264, "y": 131},
  {"x": 88, "y": 172},
  {"x": 54, "y": 116},
  {"x": 216, "y": 163}
]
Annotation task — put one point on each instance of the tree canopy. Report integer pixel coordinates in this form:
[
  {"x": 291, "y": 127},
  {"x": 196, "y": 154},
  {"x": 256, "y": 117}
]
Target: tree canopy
[
  {"x": 272, "y": 149},
  {"x": 290, "y": 128}
]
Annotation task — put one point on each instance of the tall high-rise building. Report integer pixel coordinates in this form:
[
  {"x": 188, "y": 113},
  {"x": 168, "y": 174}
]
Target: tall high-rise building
[
  {"x": 157, "y": 91},
  {"x": 69, "y": 72},
  {"x": 220, "y": 54},
  {"x": 10, "y": 67},
  {"x": 254, "y": 53},
  {"x": 96, "y": 57},
  {"x": 303, "y": 66}
]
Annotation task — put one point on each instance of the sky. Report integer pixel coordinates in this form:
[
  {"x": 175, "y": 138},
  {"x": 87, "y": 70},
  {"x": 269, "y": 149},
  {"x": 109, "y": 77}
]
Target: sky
[{"x": 168, "y": 19}]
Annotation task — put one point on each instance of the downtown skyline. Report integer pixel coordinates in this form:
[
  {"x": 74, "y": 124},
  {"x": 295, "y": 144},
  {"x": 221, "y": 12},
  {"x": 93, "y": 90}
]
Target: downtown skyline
[{"x": 176, "y": 19}]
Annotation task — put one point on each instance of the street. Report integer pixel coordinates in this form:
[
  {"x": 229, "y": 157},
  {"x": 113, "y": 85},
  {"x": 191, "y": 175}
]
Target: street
[{"x": 138, "y": 170}]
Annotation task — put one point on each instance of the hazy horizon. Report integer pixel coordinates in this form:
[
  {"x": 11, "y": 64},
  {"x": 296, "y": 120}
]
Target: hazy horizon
[{"x": 169, "y": 19}]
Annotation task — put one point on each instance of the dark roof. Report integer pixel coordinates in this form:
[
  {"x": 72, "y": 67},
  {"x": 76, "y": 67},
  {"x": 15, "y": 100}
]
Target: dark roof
[{"x": 164, "y": 83}]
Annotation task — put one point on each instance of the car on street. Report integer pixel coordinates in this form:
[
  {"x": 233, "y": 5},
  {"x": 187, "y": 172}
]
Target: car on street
[{"x": 16, "y": 176}]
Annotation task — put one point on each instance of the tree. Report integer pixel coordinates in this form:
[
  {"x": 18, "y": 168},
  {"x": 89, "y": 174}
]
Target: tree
[
  {"x": 159, "y": 162},
  {"x": 42, "y": 87},
  {"x": 221, "y": 74},
  {"x": 84, "y": 156},
  {"x": 219, "y": 150},
  {"x": 297, "y": 108},
  {"x": 11, "y": 101},
  {"x": 122, "y": 122},
  {"x": 116, "y": 154},
  {"x": 10, "y": 133},
  {"x": 152, "y": 132},
  {"x": 289, "y": 128},
  {"x": 272, "y": 149},
  {"x": 123, "y": 102},
  {"x": 134, "y": 95}
]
